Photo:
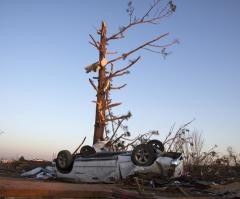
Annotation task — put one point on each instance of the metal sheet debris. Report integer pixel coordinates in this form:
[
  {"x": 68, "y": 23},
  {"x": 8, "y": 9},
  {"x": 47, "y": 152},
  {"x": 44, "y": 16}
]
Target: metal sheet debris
[{"x": 39, "y": 173}]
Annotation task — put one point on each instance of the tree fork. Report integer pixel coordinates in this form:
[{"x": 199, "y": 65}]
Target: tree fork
[{"x": 100, "y": 118}]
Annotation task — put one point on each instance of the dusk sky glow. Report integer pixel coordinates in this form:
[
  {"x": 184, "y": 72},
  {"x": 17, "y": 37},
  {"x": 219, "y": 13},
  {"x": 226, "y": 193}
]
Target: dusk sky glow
[{"x": 46, "y": 99}]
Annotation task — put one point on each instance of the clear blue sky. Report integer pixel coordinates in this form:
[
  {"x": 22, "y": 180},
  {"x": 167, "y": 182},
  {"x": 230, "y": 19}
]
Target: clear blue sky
[{"x": 45, "y": 101}]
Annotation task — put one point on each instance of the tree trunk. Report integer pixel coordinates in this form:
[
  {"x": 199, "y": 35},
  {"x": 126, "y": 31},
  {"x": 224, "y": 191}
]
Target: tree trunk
[{"x": 100, "y": 119}]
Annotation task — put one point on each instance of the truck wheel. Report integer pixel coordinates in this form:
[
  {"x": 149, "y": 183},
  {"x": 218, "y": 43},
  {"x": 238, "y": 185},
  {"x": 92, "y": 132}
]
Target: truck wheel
[
  {"x": 64, "y": 160},
  {"x": 157, "y": 146},
  {"x": 87, "y": 150},
  {"x": 143, "y": 155}
]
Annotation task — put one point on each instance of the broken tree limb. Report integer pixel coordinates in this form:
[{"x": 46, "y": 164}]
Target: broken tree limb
[
  {"x": 140, "y": 137},
  {"x": 127, "y": 116},
  {"x": 79, "y": 146},
  {"x": 119, "y": 87},
  {"x": 92, "y": 44},
  {"x": 111, "y": 53},
  {"x": 95, "y": 43},
  {"x": 115, "y": 131},
  {"x": 93, "y": 85},
  {"x": 113, "y": 105}
]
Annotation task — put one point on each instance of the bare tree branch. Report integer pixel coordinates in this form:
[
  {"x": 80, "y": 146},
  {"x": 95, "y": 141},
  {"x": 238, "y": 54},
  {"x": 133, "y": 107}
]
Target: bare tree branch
[
  {"x": 79, "y": 146},
  {"x": 125, "y": 55},
  {"x": 149, "y": 10},
  {"x": 127, "y": 116},
  {"x": 170, "y": 133},
  {"x": 127, "y": 67},
  {"x": 178, "y": 131},
  {"x": 166, "y": 11},
  {"x": 110, "y": 115},
  {"x": 114, "y": 132},
  {"x": 113, "y": 105},
  {"x": 119, "y": 87},
  {"x": 164, "y": 46},
  {"x": 111, "y": 53},
  {"x": 120, "y": 74},
  {"x": 93, "y": 85},
  {"x": 95, "y": 43},
  {"x": 154, "y": 51}
]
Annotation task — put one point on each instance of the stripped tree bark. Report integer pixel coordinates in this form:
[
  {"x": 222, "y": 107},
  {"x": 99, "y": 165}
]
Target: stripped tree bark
[
  {"x": 100, "y": 118},
  {"x": 106, "y": 69}
]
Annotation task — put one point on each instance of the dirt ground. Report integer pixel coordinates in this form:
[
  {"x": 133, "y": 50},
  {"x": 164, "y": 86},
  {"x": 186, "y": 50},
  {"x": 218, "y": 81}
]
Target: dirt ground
[
  {"x": 30, "y": 188},
  {"x": 15, "y": 187},
  {"x": 23, "y": 188}
]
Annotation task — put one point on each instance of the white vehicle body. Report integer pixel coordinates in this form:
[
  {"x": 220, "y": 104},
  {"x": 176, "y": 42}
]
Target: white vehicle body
[{"x": 110, "y": 167}]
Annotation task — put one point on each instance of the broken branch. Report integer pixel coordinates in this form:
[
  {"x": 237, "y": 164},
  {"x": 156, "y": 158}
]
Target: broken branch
[
  {"x": 111, "y": 53},
  {"x": 79, "y": 146},
  {"x": 93, "y": 85},
  {"x": 95, "y": 43},
  {"x": 126, "y": 117},
  {"x": 119, "y": 87},
  {"x": 114, "y": 132},
  {"x": 113, "y": 105}
]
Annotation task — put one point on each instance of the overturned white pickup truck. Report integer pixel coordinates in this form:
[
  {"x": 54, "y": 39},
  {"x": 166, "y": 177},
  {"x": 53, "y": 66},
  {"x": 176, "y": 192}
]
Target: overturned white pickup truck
[{"x": 109, "y": 167}]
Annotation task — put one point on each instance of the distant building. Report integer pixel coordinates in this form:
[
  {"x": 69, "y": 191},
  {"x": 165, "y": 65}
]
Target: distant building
[{"x": 6, "y": 161}]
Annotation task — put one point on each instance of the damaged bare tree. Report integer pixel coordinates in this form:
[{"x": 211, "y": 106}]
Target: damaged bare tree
[{"x": 107, "y": 71}]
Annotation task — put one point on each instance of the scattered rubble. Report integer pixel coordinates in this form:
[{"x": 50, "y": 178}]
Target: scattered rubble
[
  {"x": 184, "y": 187},
  {"x": 15, "y": 168},
  {"x": 40, "y": 173}
]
